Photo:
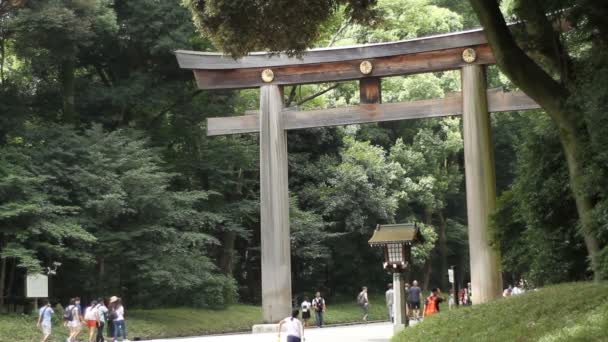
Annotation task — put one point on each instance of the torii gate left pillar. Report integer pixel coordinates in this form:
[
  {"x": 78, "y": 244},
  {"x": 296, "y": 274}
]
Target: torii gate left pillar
[{"x": 274, "y": 207}]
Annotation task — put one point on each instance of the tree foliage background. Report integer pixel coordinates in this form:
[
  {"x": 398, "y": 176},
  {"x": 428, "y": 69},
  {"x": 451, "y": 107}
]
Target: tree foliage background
[{"x": 105, "y": 165}]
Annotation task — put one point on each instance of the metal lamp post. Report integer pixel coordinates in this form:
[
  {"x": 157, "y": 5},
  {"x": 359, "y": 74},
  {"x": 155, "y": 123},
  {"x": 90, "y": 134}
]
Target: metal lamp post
[{"x": 397, "y": 241}]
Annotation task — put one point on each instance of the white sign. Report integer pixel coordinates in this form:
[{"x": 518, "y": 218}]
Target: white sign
[
  {"x": 37, "y": 286},
  {"x": 451, "y": 275}
]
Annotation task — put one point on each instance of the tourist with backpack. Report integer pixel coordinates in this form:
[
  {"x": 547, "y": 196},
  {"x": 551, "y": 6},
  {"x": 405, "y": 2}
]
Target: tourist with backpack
[
  {"x": 45, "y": 316},
  {"x": 73, "y": 320},
  {"x": 319, "y": 304},
  {"x": 363, "y": 302},
  {"x": 103, "y": 317}
]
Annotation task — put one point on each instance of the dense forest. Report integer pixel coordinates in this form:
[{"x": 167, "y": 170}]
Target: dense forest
[{"x": 105, "y": 166}]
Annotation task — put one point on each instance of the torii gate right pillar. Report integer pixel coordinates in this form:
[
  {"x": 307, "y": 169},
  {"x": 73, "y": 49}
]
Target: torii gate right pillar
[{"x": 486, "y": 278}]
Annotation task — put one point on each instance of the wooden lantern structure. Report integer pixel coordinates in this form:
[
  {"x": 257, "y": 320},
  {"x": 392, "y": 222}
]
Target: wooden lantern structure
[{"x": 397, "y": 241}]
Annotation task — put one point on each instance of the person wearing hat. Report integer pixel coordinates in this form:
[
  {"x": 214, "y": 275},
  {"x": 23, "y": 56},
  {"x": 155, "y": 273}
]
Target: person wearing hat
[
  {"x": 111, "y": 315},
  {"x": 119, "y": 327}
]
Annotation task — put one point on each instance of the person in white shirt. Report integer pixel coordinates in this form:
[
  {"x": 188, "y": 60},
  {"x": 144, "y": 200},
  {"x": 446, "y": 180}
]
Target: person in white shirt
[
  {"x": 306, "y": 305},
  {"x": 74, "y": 320},
  {"x": 319, "y": 304},
  {"x": 516, "y": 291},
  {"x": 293, "y": 327},
  {"x": 120, "y": 328},
  {"x": 389, "y": 296},
  {"x": 91, "y": 317},
  {"x": 45, "y": 316}
]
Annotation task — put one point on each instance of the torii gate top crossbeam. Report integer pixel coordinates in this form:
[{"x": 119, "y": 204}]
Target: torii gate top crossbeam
[{"x": 426, "y": 54}]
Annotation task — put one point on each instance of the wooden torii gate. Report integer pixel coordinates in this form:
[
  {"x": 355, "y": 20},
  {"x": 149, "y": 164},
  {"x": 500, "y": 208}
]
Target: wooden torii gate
[{"x": 467, "y": 51}]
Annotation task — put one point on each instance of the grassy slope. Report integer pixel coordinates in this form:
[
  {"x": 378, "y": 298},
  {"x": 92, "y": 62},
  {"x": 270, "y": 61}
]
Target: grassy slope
[
  {"x": 182, "y": 321},
  {"x": 567, "y": 312}
]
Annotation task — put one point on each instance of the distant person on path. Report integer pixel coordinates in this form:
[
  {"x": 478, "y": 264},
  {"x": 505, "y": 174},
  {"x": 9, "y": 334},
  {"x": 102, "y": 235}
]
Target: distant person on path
[
  {"x": 294, "y": 328},
  {"x": 390, "y": 300},
  {"x": 414, "y": 298},
  {"x": 120, "y": 328},
  {"x": 73, "y": 320},
  {"x": 103, "y": 317},
  {"x": 306, "y": 305},
  {"x": 508, "y": 291},
  {"x": 363, "y": 302},
  {"x": 516, "y": 290},
  {"x": 451, "y": 299},
  {"x": 45, "y": 315},
  {"x": 91, "y": 317},
  {"x": 431, "y": 305},
  {"x": 408, "y": 311},
  {"x": 319, "y": 304}
]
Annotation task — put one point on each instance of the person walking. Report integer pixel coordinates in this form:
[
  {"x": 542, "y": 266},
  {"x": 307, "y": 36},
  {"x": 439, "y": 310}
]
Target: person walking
[
  {"x": 91, "y": 317},
  {"x": 102, "y": 310},
  {"x": 414, "y": 298},
  {"x": 390, "y": 301},
  {"x": 306, "y": 305},
  {"x": 318, "y": 303},
  {"x": 45, "y": 316},
  {"x": 431, "y": 305},
  {"x": 74, "y": 320},
  {"x": 294, "y": 328},
  {"x": 363, "y": 302},
  {"x": 120, "y": 328}
]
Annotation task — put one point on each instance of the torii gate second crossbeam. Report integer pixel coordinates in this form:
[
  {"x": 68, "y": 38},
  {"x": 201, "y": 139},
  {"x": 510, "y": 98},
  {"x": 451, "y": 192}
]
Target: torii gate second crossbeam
[{"x": 467, "y": 51}]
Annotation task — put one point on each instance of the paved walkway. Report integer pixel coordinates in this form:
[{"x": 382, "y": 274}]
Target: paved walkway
[{"x": 376, "y": 332}]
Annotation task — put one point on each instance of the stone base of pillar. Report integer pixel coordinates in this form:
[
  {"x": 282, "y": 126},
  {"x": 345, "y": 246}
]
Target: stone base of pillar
[
  {"x": 400, "y": 319},
  {"x": 265, "y": 328}
]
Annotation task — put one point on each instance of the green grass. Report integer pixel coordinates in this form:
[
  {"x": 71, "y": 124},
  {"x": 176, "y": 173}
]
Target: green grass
[
  {"x": 178, "y": 322},
  {"x": 563, "y": 313}
]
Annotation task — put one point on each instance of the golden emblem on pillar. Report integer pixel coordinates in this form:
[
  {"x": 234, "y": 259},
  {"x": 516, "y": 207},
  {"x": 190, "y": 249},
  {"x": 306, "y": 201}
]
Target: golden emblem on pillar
[
  {"x": 366, "y": 67},
  {"x": 267, "y": 75},
  {"x": 469, "y": 55}
]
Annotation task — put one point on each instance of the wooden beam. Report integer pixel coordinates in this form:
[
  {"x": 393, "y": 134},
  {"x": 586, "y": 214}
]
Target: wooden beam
[
  {"x": 370, "y": 90},
  {"x": 498, "y": 101},
  {"x": 215, "y": 61},
  {"x": 413, "y": 63}
]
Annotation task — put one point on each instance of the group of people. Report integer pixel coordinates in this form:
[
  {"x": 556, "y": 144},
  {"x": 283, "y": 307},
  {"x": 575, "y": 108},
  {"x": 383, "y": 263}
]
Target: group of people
[
  {"x": 97, "y": 316},
  {"x": 414, "y": 301},
  {"x": 515, "y": 290},
  {"x": 317, "y": 305}
]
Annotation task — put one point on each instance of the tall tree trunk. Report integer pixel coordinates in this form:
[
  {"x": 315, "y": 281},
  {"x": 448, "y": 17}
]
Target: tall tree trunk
[
  {"x": 226, "y": 260},
  {"x": 12, "y": 266},
  {"x": 553, "y": 98},
  {"x": 227, "y": 257},
  {"x": 2, "y": 58},
  {"x": 101, "y": 262},
  {"x": 428, "y": 269},
  {"x": 68, "y": 70},
  {"x": 443, "y": 251},
  {"x": 2, "y": 280},
  {"x": 573, "y": 150}
]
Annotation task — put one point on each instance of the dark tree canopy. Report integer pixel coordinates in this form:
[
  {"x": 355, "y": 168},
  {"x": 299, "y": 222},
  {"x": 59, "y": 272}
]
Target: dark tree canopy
[{"x": 241, "y": 26}]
